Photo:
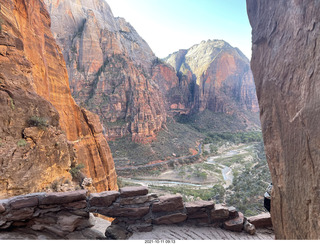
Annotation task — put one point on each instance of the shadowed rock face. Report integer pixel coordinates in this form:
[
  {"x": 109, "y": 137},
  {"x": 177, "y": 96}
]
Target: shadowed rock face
[
  {"x": 34, "y": 82},
  {"x": 213, "y": 76},
  {"x": 109, "y": 67},
  {"x": 285, "y": 63}
]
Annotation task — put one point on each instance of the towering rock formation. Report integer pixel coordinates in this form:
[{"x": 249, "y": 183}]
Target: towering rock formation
[
  {"x": 43, "y": 132},
  {"x": 286, "y": 63},
  {"x": 109, "y": 67},
  {"x": 218, "y": 77}
]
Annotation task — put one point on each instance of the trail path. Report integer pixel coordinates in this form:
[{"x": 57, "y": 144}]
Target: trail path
[{"x": 168, "y": 232}]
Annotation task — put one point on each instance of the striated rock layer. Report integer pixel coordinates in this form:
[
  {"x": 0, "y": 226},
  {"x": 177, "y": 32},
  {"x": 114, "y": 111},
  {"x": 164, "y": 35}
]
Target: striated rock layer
[
  {"x": 285, "y": 63},
  {"x": 109, "y": 68},
  {"x": 34, "y": 84}
]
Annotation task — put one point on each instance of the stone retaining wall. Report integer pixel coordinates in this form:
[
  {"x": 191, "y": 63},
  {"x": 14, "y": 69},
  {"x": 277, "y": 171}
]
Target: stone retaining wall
[{"x": 132, "y": 207}]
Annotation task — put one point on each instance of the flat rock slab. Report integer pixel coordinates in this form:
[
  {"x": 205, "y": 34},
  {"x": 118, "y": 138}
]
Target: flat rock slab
[
  {"x": 103, "y": 199},
  {"x": 63, "y": 197},
  {"x": 235, "y": 224},
  {"x": 133, "y": 191},
  {"x": 24, "y": 202},
  {"x": 170, "y": 219},
  {"x": 196, "y": 206},
  {"x": 261, "y": 220},
  {"x": 168, "y": 203}
]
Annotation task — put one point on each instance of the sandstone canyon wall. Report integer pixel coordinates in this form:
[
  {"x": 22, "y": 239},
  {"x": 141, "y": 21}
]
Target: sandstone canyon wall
[
  {"x": 34, "y": 86},
  {"x": 285, "y": 63},
  {"x": 109, "y": 68}
]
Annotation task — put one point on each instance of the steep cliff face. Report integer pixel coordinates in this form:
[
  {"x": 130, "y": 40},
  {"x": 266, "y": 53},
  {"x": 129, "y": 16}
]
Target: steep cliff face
[
  {"x": 217, "y": 76},
  {"x": 34, "y": 83},
  {"x": 109, "y": 67},
  {"x": 177, "y": 92},
  {"x": 285, "y": 63}
]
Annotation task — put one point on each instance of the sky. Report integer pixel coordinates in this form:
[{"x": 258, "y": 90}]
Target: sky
[{"x": 170, "y": 25}]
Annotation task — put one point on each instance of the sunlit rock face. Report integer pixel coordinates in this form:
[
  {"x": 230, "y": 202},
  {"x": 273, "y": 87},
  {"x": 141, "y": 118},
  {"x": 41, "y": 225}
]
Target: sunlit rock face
[
  {"x": 109, "y": 66},
  {"x": 217, "y": 76},
  {"x": 285, "y": 64},
  {"x": 34, "y": 83}
]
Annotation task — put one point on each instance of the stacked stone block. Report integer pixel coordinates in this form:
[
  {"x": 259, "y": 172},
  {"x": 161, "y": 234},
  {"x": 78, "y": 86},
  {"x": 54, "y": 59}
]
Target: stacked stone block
[
  {"x": 56, "y": 213},
  {"x": 132, "y": 208}
]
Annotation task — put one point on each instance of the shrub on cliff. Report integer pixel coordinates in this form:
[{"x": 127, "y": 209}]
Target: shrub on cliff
[
  {"x": 39, "y": 122},
  {"x": 76, "y": 172},
  {"x": 22, "y": 143}
]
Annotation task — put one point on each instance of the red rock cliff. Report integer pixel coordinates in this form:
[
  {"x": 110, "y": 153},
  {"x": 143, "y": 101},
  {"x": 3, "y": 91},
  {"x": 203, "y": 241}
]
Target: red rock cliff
[
  {"x": 285, "y": 64},
  {"x": 109, "y": 67},
  {"x": 214, "y": 76},
  {"x": 34, "y": 82}
]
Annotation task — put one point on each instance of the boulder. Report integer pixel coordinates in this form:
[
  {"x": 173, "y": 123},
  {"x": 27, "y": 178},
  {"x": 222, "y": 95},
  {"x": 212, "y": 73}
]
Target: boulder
[
  {"x": 103, "y": 199},
  {"x": 168, "y": 203},
  {"x": 234, "y": 224},
  {"x": 261, "y": 220},
  {"x": 133, "y": 191}
]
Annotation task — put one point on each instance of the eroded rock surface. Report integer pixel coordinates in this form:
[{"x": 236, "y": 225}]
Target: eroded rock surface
[
  {"x": 285, "y": 64},
  {"x": 42, "y": 131}
]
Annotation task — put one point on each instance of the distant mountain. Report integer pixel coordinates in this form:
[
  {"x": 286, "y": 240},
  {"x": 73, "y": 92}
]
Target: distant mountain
[{"x": 218, "y": 76}]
